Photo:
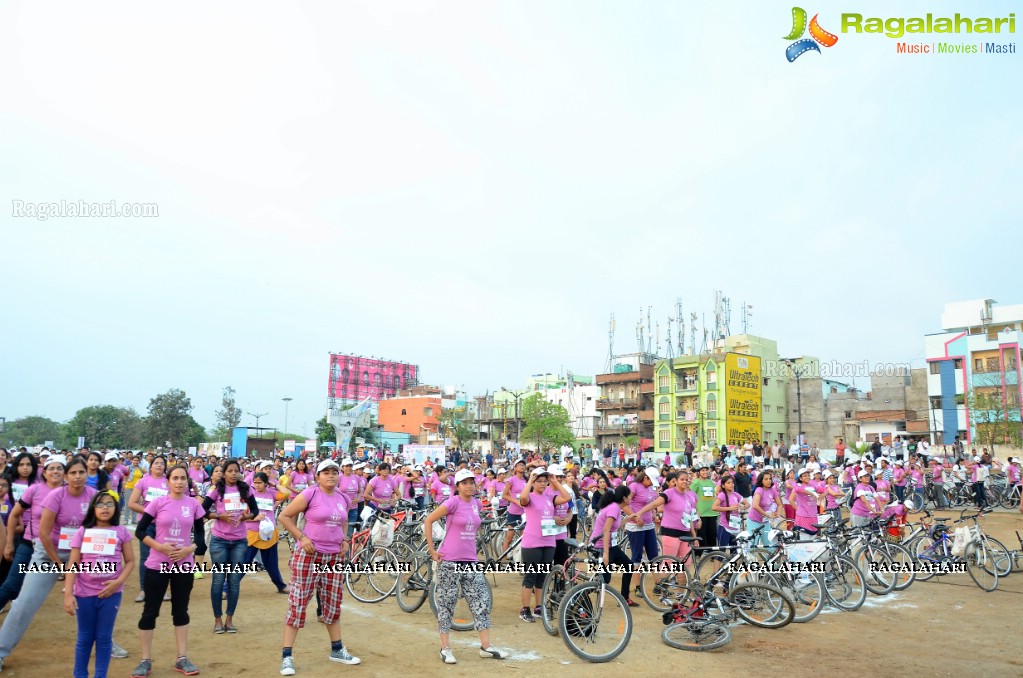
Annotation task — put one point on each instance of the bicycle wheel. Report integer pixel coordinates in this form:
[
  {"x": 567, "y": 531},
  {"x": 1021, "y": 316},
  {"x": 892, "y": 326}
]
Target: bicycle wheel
[
  {"x": 1000, "y": 559},
  {"x": 985, "y": 576},
  {"x": 414, "y": 587},
  {"x": 662, "y": 590},
  {"x": 595, "y": 622},
  {"x": 762, "y": 605},
  {"x": 902, "y": 559},
  {"x": 876, "y": 568},
  {"x": 554, "y": 587},
  {"x": 806, "y": 591},
  {"x": 844, "y": 584},
  {"x": 461, "y": 618},
  {"x": 696, "y": 636},
  {"x": 378, "y": 575},
  {"x": 708, "y": 564}
]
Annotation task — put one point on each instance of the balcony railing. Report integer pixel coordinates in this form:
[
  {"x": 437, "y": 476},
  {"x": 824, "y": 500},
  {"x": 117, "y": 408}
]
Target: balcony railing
[
  {"x": 646, "y": 388},
  {"x": 617, "y": 403},
  {"x": 686, "y": 415},
  {"x": 616, "y": 429}
]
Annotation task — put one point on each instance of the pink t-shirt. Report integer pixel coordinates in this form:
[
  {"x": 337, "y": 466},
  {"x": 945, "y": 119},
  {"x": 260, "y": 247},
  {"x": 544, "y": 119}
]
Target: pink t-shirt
[
  {"x": 300, "y": 481},
  {"x": 832, "y": 492},
  {"x": 174, "y": 519},
  {"x": 90, "y": 583},
  {"x": 382, "y": 489},
  {"x": 230, "y": 504},
  {"x": 641, "y": 496},
  {"x": 806, "y": 504},
  {"x": 615, "y": 482},
  {"x": 441, "y": 490},
  {"x": 461, "y": 525},
  {"x": 882, "y": 490},
  {"x": 899, "y": 476},
  {"x": 326, "y": 516},
  {"x": 34, "y": 497},
  {"x": 864, "y": 495},
  {"x": 198, "y": 475},
  {"x": 613, "y": 513},
  {"x": 150, "y": 488},
  {"x": 265, "y": 503},
  {"x": 678, "y": 509},
  {"x": 730, "y": 520},
  {"x": 350, "y": 486},
  {"x": 1013, "y": 474},
  {"x": 539, "y": 514},
  {"x": 517, "y": 485},
  {"x": 769, "y": 500},
  {"x": 70, "y": 512}
]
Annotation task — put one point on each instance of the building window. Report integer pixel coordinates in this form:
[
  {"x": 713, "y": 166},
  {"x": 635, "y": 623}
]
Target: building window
[
  {"x": 403, "y": 412},
  {"x": 848, "y": 415},
  {"x": 958, "y": 364},
  {"x": 427, "y": 411},
  {"x": 935, "y": 368},
  {"x": 662, "y": 381},
  {"x": 935, "y": 402},
  {"x": 712, "y": 404},
  {"x": 766, "y": 381},
  {"x": 664, "y": 407},
  {"x": 978, "y": 364}
]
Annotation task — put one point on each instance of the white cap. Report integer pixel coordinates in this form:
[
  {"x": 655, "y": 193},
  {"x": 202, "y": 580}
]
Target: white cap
[
  {"x": 111, "y": 455},
  {"x": 866, "y": 461},
  {"x": 326, "y": 464},
  {"x": 863, "y": 472},
  {"x": 976, "y": 459},
  {"x": 827, "y": 474},
  {"x": 358, "y": 466},
  {"x": 653, "y": 475},
  {"x": 501, "y": 470},
  {"x": 878, "y": 473},
  {"x": 346, "y": 462},
  {"x": 555, "y": 470},
  {"x": 802, "y": 471},
  {"x": 265, "y": 463},
  {"x": 417, "y": 467},
  {"x": 899, "y": 463},
  {"x": 464, "y": 474},
  {"x": 56, "y": 459},
  {"x": 539, "y": 471}
]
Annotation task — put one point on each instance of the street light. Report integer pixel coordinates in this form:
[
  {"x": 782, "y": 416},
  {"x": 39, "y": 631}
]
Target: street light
[
  {"x": 257, "y": 417},
  {"x": 518, "y": 396},
  {"x": 798, "y": 374},
  {"x": 286, "y": 401}
]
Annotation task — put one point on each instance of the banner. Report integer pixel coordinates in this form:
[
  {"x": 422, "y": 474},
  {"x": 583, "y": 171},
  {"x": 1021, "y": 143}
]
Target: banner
[
  {"x": 310, "y": 445},
  {"x": 345, "y": 421},
  {"x": 417, "y": 454},
  {"x": 743, "y": 398},
  {"x": 289, "y": 446}
]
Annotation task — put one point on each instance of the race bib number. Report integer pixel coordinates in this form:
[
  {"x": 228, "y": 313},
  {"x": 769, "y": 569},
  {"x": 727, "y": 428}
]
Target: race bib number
[
  {"x": 66, "y": 533},
  {"x": 265, "y": 504},
  {"x": 17, "y": 491},
  {"x": 233, "y": 502},
  {"x": 154, "y": 492},
  {"x": 300, "y": 486},
  {"x": 99, "y": 542},
  {"x": 708, "y": 492},
  {"x": 445, "y": 491},
  {"x": 734, "y": 523},
  {"x": 548, "y": 528},
  {"x": 615, "y": 539},
  {"x": 417, "y": 491},
  {"x": 692, "y": 517}
]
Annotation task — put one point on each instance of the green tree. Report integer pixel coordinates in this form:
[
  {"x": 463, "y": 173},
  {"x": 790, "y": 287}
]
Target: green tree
[
  {"x": 106, "y": 426},
  {"x": 194, "y": 434},
  {"x": 33, "y": 430},
  {"x": 325, "y": 432},
  {"x": 229, "y": 416},
  {"x": 547, "y": 424},
  {"x": 458, "y": 425},
  {"x": 996, "y": 422},
  {"x": 170, "y": 419}
]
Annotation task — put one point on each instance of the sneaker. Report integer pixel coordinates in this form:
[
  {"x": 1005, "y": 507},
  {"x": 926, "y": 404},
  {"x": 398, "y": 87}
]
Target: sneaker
[
  {"x": 230, "y": 628},
  {"x": 288, "y": 666},
  {"x": 343, "y": 656},
  {"x": 183, "y": 665},
  {"x": 140, "y": 598},
  {"x": 118, "y": 652},
  {"x": 448, "y": 656},
  {"x": 492, "y": 653},
  {"x": 197, "y": 574},
  {"x": 526, "y": 615},
  {"x": 218, "y": 629},
  {"x": 144, "y": 668},
  {"x": 537, "y": 611},
  {"x": 632, "y": 603}
]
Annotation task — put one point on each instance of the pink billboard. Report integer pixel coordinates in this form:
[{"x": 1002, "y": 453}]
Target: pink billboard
[{"x": 353, "y": 378}]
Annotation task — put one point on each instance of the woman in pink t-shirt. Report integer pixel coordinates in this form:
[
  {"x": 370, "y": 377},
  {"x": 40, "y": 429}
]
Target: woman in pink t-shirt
[
  {"x": 864, "y": 502},
  {"x": 833, "y": 495},
  {"x": 680, "y": 518},
  {"x": 538, "y": 535},
  {"x": 177, "y": 522},
  {"x": 94, "y": 596},
  {"x": 805, "y": 498},
  {"x": 731, "y": 506},
  {"x": 605, "y": 534},
  {"x": 786, "y": 492},
  {"x": 455, "y": 558},
  {"x": 512, "y": 489},
  {"x": 313, "y": 565},
  {"x": 382, "y": 491},
  {"x": 266, "y": 501},
  {"x": 151, "y": 486},
  {"x": 300, "y": 478},
  {"x": 766, "y": 507}
]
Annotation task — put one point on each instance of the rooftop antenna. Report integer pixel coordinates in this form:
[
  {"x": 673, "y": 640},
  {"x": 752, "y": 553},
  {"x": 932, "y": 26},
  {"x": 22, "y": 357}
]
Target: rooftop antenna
[
  {"x": 747, "y": 318},
  {"x": 703, "y": 348},
  {"x": 649, "y": 334},
  {"x": 639, "y": 330},
  {"x": 692, "y": 334},
  {"x": 669, "y": 349},
  {"x": 657, "y": 330},
  {"x": 610, "y": 343},
  {"x": 726, "y": 317},
  {"x": 681, "y": 327}
]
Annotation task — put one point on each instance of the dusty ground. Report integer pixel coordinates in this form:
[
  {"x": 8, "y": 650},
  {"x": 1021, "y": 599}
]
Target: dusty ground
[{"x": 945, "y": 627}]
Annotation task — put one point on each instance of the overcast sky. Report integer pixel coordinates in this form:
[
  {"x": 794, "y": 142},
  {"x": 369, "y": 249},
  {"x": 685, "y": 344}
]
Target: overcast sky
[{"x": 475, "y": 187}]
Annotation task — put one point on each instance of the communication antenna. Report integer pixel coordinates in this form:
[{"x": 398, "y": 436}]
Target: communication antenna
[
  {"x": 610, "y": 343},
  {"x": 726, "y": 317},
  {"x": 639, "y": 330},
  {"x": 692, "y": 334},
  {"x": 649, "y": 334},
  {"x": 669, "y": 349},
  {"x": 657, "y": 333},
  {"x": 703, "y": 348},
  {"x": 681, "y": 327}
]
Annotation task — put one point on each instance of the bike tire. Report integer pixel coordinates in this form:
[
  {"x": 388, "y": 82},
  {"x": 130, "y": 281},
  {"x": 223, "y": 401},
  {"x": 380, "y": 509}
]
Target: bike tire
[
  {"x": 762, "y": 605},
  {"x": 1000, "y": 557},
  {"x": 976, "y": 556},
  {"x": 879, "y": 579},
  {"x": 373, "y": 587},
  {"x": 904, "y": 559},
  {"x": 581, "y": 615},
  {"x": 844, "y": 584},
  {"x": 414, "y": 587},
  {"x": 672, "y": 586},
  {"x": 696, "y": 636},
  {"x": 554, "y": 587},
  {"x": 808, "y": 595}
]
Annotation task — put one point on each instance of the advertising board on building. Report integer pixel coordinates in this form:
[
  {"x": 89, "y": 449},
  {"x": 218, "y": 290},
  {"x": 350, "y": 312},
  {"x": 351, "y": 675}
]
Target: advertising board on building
[{"x": 743, "y": 398}]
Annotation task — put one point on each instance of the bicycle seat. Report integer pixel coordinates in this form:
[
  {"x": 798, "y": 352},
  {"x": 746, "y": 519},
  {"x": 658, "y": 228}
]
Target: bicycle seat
[
  {"x": 942, "y": 520},
  {"x": 685, "y": 537}
]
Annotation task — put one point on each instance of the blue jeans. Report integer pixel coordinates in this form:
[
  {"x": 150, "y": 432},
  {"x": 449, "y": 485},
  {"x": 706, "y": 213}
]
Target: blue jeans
[
  {"x": 226, "y": 552},
  {"x": 643, "y": 540},
  {"x": 353, "y": 518},
  {"x": 269, "y": 558},
  {"x": 725, "y": 538},
  {"x": 96, "y": 617},
  {"x": 12, "y": 586}
]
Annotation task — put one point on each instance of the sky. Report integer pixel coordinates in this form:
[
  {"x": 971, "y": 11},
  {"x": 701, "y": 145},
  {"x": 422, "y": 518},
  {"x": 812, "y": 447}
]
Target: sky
[{"x": 474, "y": 187}]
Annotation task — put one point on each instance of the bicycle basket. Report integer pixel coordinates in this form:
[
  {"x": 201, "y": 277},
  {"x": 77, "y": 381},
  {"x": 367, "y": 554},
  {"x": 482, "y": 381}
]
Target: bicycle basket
[{"x": 579, "y": 618}]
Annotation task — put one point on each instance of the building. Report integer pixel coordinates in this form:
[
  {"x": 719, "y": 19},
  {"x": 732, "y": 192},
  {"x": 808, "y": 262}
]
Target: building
[
  {"x": 499, "y": 416},
  {"x": 973, "y": 382},
  {"x": 418, "y": 416},
  {"x": 625, "y": 402},
  {"x": 731, "y": 394}
]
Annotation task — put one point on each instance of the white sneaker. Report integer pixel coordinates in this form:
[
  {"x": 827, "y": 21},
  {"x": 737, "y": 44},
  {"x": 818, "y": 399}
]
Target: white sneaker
[
  {"x": 288, "y": 666},
  {"x": 343, "y": 656},
  {"x": 448, "y": 656},
  {"x": 492, "y": 653}
]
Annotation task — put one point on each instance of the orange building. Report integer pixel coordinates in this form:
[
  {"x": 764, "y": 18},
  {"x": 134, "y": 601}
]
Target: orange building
[{"x": 415, "y": 415}]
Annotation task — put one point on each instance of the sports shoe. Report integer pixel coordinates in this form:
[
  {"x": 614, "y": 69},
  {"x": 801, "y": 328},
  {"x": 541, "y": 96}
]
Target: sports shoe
[
  {"x": 632, "y": 603},
  {"x": 448, "y": 656},
  {"x": 537, "y": 611},
  {"x": 343, "y": 656},
  {"x": 230, "y": 628},
  {"x": 144, "y": 668},
  {"x": 118, "y": 652},
  {"x": 526, "y": 615},
  {"x": 288, "y": 666},
  {"x": 492, "y": 653},
  {"x": 218, "y": 629},
  {"x": 185, "y": 666},
  {"x": 140, "y": 598},
  {"x": 197, "y": 574}
]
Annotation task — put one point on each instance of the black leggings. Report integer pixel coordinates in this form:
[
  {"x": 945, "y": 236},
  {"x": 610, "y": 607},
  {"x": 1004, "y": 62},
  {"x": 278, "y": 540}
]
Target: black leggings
[
  {"x": 156, "y": 586},
  {"x": 617, "y": 557},
  {"x": 708, "y": 534},
  {"x": 560, "y": 552},
  {"x": 573, "y": 527},
  {"x": 539, "y": 555}
]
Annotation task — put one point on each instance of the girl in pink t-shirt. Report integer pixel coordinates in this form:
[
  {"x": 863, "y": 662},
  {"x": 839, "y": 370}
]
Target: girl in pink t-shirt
[
  {"x": 538, "y": 537},
  {"x": 455, "y": 557},
  {"x": 766, "y": 506},
  {"x": 805, "y": 498},
  {"x": 730, "y": 505},
  {"x": 101, "y": 544}
]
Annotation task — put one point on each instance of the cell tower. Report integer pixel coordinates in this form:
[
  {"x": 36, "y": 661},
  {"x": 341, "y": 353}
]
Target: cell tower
[
  {"x": 669, "y": 348},
  {"x": 747, "y": 317},
  {"x": 649, "y": 332},
  {"x": 692, "y": 334},
  {"x": 703, "y": 348},
  {"x": 639, "y": 331},
  {"x": 657, "y": 333},
  {"x": 610, "y": 344},
  {"x": 681, "y": 327}
]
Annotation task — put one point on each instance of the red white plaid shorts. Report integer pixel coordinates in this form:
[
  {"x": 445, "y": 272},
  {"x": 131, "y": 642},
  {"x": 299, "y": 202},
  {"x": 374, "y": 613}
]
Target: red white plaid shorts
[{"x": 309, "y": 575}]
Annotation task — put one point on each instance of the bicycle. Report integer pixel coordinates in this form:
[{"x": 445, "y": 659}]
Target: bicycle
[
  {"x": 562, "y": 578},
  {"x": 376, "y": 575},
  {"x": 939, "y": 555},
  {"x": 1000, "y": 559},
  {"x": 586, "y": 613}
]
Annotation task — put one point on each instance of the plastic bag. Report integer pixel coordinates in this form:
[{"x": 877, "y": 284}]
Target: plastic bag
[
  {"x": 266, "y": 529},
  {"x": 960, "y": 541},
  {"x": 383, "y": 532}
]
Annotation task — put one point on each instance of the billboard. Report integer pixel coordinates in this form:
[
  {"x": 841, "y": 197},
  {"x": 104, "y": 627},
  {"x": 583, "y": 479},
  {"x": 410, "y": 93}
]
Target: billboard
[
  {"x": 354, "y": 378},
  {"x": 743, "y": 398}
]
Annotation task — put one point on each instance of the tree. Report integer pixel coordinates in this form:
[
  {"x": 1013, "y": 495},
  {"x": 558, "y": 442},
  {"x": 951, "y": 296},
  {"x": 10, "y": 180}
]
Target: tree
[
  {"x": 458, "y": 426},
  {"x": 194, "y": 434},
  {"x": 33, "y": 430},
  {"x": 170, "y": 419},
  {"x": 106, "y": 426},
  {"x": 229, "y": 416},
  {"x": 325, "y": 432},
  {"x": 997, "y": 422},
  {"x": 546, "y": 423}
]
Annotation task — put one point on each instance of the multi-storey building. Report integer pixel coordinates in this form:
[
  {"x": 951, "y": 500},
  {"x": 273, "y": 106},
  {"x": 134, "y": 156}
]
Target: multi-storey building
[{"x": 626, "y": 401}]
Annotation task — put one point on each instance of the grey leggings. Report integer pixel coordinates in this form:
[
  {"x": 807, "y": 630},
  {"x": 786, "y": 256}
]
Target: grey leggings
[{"x": 474, "y": 590}]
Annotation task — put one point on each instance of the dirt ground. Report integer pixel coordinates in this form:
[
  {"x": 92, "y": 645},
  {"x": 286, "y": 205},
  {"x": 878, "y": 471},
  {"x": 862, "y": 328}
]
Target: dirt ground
[{"x": 945, "y": 627}]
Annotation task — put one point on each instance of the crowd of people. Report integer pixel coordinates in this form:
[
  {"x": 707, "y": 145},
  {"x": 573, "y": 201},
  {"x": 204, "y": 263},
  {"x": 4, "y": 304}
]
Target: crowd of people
[{"x": 75, "y": 508}]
